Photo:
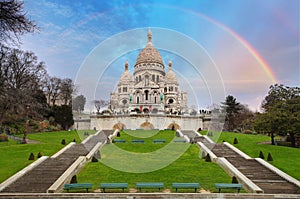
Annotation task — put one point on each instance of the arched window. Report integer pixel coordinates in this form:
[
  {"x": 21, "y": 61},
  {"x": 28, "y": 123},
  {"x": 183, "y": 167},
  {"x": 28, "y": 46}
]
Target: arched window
[
  {"x": 146, "y": 80},
  {"x": 137, "y": 99},
  {"x": 146, "y": 94},
  {"x": 157, "y": 78}
]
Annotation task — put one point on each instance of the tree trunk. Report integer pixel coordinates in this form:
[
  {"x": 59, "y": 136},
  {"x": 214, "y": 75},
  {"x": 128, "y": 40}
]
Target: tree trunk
[
  {"x": 272, "y": 138},
  {"x": 293, "y": 142}
]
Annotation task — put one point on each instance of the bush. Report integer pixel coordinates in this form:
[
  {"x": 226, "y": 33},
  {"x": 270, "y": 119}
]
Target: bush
[
  {"x": 269, "y": 158},
  {"x": 235, "y": 141},
  {"x": 31, "y": 156},
  {"x": 3, "y": 138},
  {"x": 261, "y": 155},
  {"x": 39, "y": 155},
  {"x": 207, "y": 159},
  {"x": 234, "y": 180},
  {"x": 74, "y": 179},
  {"x": 248, "y": 132},
  {"x": 63, "y": 142}
]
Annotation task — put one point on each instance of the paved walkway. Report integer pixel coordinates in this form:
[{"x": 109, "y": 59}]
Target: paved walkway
[
  {"x": 266, "y": 179},
  {"x": 40, "y": 178}
]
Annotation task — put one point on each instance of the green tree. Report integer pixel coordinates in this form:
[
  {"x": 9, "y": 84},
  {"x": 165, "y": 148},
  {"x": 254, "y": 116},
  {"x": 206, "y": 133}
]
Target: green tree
[
  {"x": 282, "y": 112},
  {"x": 231, "y": 108},
  {"x": 63, "y": 115}
]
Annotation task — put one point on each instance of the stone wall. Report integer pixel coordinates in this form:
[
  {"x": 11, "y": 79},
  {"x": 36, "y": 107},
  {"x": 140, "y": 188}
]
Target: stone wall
[{"x": 138, "y": 121}]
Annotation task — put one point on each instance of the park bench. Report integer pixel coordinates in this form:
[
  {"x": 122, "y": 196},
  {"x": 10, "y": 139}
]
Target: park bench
[
  {"x": 138, "y": 141},
  {"x": 122, "y": 186},
  {"x": 86, "y": 186},
  {"x": 228, "y": 186},
  {"x": 186, "y": 186},
  {"x": 183, "y": 141},
  {"x": 140, "y": 185},
  {"x": 159, "y": 141},
  {"x": 119, "y": 141}
]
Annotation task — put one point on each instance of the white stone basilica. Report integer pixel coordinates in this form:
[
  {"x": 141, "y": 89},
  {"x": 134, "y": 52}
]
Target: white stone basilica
[{"x": 150, "y": 89}]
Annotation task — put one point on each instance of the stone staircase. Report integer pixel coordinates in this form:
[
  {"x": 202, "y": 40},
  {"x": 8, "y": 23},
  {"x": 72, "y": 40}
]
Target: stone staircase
[
  {"x": 263, "y": 177},
  {"x": 40, "y": 178}
]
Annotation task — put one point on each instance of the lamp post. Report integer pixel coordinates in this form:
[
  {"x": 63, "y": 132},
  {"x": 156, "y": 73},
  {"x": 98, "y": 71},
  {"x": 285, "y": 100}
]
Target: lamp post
[{"x": 26, "y": 125}]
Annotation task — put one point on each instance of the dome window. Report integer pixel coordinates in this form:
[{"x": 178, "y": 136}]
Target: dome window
[{"x": 170, "y": 101}]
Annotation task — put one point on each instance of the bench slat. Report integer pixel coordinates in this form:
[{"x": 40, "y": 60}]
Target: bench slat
[
  {"x": 86, "y": 186},
  {"x": 228, "y": 186},
  {"x": 141, "y": 185},
  {"x": 122, "y": 186},
  {"x": 186, "y": 186}
]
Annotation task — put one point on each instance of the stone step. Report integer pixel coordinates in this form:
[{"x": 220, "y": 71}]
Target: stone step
[{"x": 40, "y": 178}]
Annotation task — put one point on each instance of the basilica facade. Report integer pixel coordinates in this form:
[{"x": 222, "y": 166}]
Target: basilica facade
[{"x": 150, "y": 89}]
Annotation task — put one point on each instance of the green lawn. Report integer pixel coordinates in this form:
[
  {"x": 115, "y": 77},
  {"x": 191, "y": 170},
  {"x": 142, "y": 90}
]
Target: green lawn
[
  {"x": 14, "y": 156},
  {"x": 285, "y": 158},
  {"x": 189, "y": 167}
]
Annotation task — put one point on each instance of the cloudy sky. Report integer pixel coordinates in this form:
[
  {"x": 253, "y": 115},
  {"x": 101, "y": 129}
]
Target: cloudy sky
[{"x": 217, "y": 47}]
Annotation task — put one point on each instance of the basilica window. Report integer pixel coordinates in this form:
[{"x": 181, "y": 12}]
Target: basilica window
[
  {"x": 119, "y": 90},
  {"x": 176, "y": 89},
  {"x": 166, "y": 89},
  {"x": 153, "y": 78},
  {"x": 146, "y": 80},
  {"x": 157, "y": 78},
  {"x": 146, "y": 94},
  {"x": 136, "y": 79},
  {"x": 140, "y": 78},
  {"x": 137, "y": 99},
  {"x": 124, "y": 89},
  {"x": 171, "y": 88}
]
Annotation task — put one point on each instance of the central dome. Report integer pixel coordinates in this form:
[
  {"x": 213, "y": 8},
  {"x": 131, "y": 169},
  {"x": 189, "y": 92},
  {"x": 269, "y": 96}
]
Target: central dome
[{"x": 149, "y": 54}]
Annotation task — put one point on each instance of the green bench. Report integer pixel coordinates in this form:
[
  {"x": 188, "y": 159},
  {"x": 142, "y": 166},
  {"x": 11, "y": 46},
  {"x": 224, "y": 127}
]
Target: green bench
[
  {"x": 186, "y": 186},
  {"x": 119, "y": 141},
  {"x": 140, "y": 185},
  {"x": 183, "y": 141},
  {"x": 122, "y": 186},
  {"x": 86, "y": 186},
  {"x": 228, "y": 186},
  {"x": 159, "y": 141},
  {"x": 138, "y": 141}
]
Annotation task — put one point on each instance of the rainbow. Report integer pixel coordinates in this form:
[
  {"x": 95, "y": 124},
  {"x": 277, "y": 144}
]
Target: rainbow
[{"x": 265, "y": 66}]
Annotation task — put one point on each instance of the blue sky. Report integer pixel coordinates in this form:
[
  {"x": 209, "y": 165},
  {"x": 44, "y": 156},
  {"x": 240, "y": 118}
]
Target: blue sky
[{"x": 72, "y": 30}]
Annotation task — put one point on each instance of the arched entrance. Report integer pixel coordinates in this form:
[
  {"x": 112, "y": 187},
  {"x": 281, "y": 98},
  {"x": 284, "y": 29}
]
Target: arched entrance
[
  {"x": 173, "y": 126},
  {"x": 119, "y": 126},
  {"x": 147, "y": 126},
  {"x": 146, "y": 110}
]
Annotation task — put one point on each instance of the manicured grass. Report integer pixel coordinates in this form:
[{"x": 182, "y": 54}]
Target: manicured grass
[
  {"x": 188, "y": 167},
  {"x": 285, "y": 158},
  {"x": 148, "y": 144},
  {"x": 14, "y": 156}
]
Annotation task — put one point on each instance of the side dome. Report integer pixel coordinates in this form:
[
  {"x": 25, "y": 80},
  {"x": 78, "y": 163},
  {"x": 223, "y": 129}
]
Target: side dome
[
  {"x": 149, "y": 54},
  {"x": 126, "y": 77},
  {"x": 171, "y": 76}
]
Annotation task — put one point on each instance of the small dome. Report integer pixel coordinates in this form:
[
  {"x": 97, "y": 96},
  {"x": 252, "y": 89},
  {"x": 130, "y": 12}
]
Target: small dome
[
  {"x": 171, "y": 76},
  {"x": 149, "y": 54},
  {"x": 126, "y": 77}
]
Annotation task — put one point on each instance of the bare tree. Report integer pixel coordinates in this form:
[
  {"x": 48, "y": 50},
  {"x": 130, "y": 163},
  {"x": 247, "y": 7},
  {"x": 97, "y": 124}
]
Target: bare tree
[
  {"x": 67, "y": 88},
  {"x": 20, "y": 80},
  {"x": 78, "y": 103},
  {"x": 100, "y": 104},
  {"x": 52, "y": 86},
  {"x": 14, "y": 22}
]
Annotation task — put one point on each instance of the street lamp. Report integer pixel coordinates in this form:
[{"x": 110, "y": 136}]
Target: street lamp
[{"x": 27, "y": 123}]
